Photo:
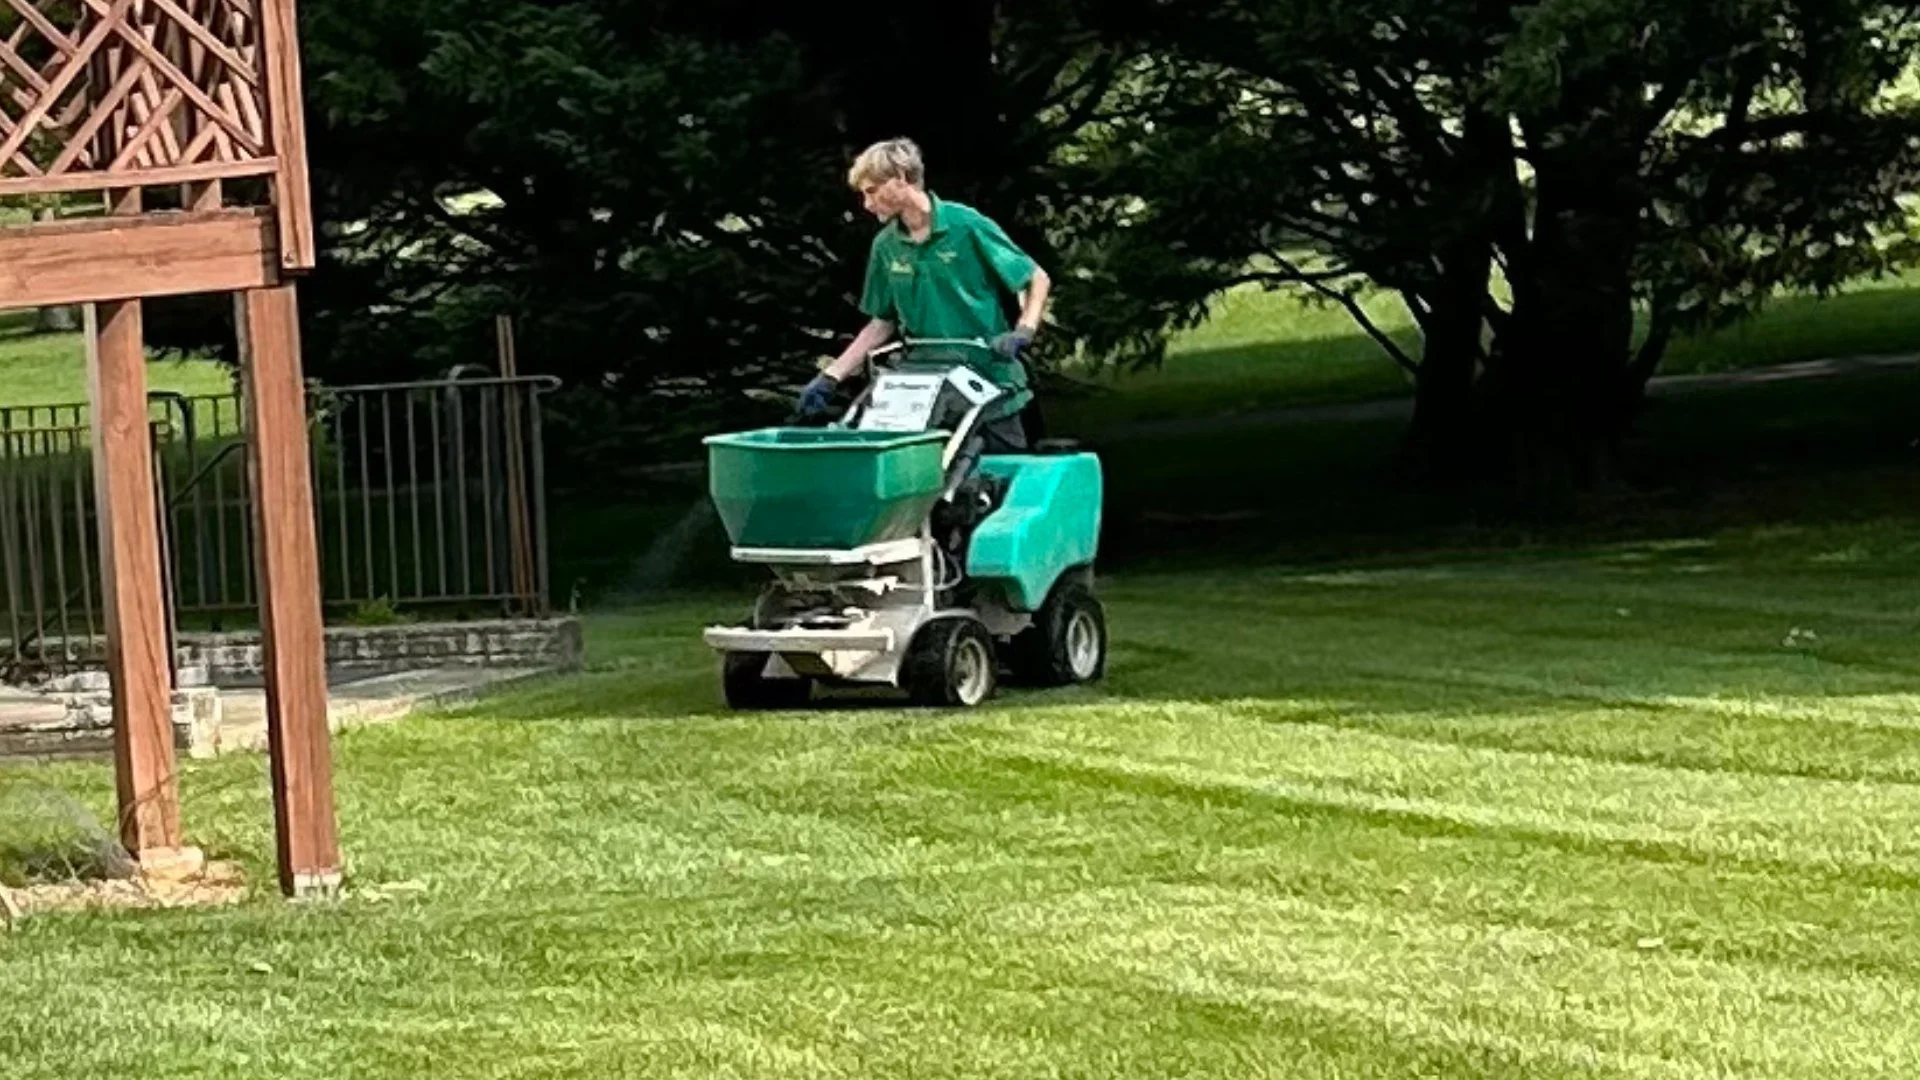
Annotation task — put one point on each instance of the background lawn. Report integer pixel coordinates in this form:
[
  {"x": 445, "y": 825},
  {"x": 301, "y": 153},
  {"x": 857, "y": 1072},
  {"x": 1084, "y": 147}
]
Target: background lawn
[
  {"x": 50, "y": 369},
  {"x": 1264, "y": 350}
]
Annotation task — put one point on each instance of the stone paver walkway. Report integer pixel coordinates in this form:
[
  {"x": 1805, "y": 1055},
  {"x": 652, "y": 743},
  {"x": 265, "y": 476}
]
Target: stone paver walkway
[{"x": 38, "y": 725}]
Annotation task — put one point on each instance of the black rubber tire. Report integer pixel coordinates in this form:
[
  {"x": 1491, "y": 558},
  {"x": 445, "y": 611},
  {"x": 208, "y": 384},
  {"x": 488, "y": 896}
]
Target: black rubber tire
[
  {"x": 950, "y": 665},
  {"x": 1044, "y": 653},
  {"x": 744, "y": 681}
]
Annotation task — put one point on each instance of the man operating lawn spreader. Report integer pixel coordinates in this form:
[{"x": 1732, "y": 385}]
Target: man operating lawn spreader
[
  {"x": 941, "y": 271},
  {"x": 915, "y": 542}
]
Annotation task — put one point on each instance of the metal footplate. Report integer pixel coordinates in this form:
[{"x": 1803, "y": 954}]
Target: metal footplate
[
  {"x": 799, "y": 640},
  {"x": 882, "y": 554}
]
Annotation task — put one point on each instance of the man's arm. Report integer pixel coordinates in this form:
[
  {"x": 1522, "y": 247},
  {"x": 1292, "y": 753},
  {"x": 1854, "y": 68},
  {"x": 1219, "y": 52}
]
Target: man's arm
[
  {"x": 1021, "y": 275},
  {"x": 1033, "y": 303},
  {"x": 875, "y": 334}
]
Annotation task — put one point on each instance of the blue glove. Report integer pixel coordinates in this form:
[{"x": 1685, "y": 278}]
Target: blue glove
[
  {"x": 818, "y": 394},
  {"x": 1012, "y": 343}
]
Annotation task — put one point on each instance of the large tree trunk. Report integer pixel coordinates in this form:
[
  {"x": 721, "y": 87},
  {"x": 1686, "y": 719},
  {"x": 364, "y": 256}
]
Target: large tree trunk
[
  {"x": 1561, "y": 393},
  {"x": 1439, "y": 446},
  {"x": 1439, "y": 449},
  {"x": 1445, "y": 448}
]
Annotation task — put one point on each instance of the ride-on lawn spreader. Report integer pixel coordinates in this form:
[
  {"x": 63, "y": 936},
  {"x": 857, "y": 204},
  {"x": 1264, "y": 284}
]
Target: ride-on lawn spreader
[{"x": 901, "y": 555}]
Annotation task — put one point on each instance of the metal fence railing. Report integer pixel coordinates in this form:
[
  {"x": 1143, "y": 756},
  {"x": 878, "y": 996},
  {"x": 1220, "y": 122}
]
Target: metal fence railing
[
  {"x": 434, "y": 493},
  {"x": 429, "y": 496},
  {"x": 48, "y": 546}
]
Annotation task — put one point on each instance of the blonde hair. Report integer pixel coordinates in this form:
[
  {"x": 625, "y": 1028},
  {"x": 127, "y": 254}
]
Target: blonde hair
[{"x": 890, "y": 160}]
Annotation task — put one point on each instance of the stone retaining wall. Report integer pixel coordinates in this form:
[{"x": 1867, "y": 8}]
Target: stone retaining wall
[
  {"x": 72, "y": 714},
  {"x": 236, "y": 659},
  {"x": 79, "y": 723}
]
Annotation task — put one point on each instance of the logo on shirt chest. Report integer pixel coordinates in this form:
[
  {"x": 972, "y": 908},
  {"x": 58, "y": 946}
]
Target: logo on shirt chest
[{"x": 904, "y": 266}]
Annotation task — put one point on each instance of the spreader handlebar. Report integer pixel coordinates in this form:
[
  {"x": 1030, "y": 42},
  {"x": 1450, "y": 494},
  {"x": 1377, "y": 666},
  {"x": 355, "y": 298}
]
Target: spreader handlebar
[{"x": 914, "y": 343}]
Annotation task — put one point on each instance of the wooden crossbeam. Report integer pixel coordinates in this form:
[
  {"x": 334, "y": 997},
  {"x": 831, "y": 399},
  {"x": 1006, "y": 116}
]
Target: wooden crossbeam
[
  {"x": 209, "y": 136},
  {"x": 26, "y": 166},
  {"x": 249, "y": 108},
  {"x": 142, "y": 137},
  {"x": 10, "y": 56},
  {"x": 189, "y": 172},
  {"x": 35, "y": 78},
  {"x": 176, "y": 254},
  {"x": 169, "y": 144}
]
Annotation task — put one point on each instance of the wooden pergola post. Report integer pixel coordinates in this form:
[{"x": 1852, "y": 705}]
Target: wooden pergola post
[
  {"x": 287, "y": 555},
  {"x": 195, "y": 97},
  {"x": 135, "y": 608}
]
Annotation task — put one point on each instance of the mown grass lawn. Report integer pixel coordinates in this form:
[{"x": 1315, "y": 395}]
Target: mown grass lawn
[
  {"x": 1642, "y": 810},
  {"x": 1632, "y": 811}
]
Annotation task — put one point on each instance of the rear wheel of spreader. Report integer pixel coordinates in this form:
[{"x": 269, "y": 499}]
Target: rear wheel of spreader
[
  {"x": 747, "y": 685},
  {"x": 1067, "y": 643},
  {"x": 951, "y": 664}
]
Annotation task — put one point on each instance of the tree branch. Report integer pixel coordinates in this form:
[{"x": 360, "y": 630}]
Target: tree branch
[
  {"x": 1347, "y": 300},
  {"x": 1663, "y": 104},
  {"x": 1293, "y": 276},
  {"x": 1653, "y": 350},
  {"x": 1403, "y": 104},
  {"x": 1100, "y": 71},
  {"x": 1107, "y": 72}
]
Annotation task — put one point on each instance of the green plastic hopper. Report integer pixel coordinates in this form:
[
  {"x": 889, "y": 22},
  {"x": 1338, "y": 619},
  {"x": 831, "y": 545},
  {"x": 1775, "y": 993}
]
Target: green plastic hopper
[{"x": 823, "y": 488}]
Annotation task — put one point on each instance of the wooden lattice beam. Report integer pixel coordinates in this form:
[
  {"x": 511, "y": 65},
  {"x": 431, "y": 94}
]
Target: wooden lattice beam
[{"x": 131, "y": 90}]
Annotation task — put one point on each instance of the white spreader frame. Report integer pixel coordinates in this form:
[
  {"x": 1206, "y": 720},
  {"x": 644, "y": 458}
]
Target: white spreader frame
[{"x": 885, "y": 593}]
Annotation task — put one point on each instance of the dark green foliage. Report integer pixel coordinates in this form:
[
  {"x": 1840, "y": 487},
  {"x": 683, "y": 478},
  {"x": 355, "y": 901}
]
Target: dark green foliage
[
  {"x": 1688, "y": 159},
  {"x": 653, "y": 207},
  {"x": 653, "y": 187}
]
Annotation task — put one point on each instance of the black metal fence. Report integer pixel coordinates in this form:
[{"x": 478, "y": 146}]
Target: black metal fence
[
  {"x": 48, "y": 547},
  {"x": 429, "y": 496}
]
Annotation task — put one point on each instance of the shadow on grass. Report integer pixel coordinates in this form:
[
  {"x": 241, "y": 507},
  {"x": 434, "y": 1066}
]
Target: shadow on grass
[
  {"x": 1321, "y": 491},
  {"x": 1756, "y": 512}
]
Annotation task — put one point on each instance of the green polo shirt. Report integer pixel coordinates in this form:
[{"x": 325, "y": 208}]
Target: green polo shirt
[{"x": 952, "y": 285}]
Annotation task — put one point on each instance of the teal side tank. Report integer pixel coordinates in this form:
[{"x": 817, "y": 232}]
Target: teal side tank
[{"x": 1048, "y": 524}]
